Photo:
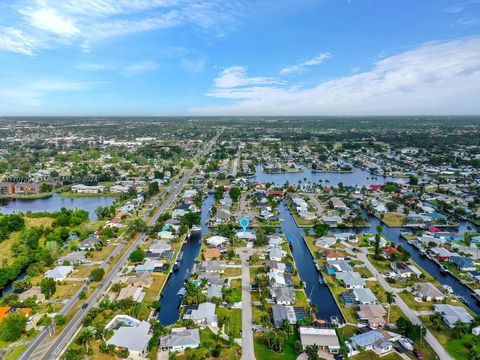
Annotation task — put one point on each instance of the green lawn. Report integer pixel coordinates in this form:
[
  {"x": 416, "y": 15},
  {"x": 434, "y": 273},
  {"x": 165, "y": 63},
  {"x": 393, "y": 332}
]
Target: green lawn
[
  {"x": 370, "y": 355},
  {"x": 263, "y": 352},
  {"x": 209, "y": 341},
  {"x": 457, "y": 346},
  {"x": 234, "y": 324},
  {"x": 15, "y": 353},
  {"x": 394, "y": 219}
]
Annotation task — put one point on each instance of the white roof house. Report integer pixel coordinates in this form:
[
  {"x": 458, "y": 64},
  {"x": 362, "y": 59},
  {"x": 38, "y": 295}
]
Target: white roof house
[
  {"x": 59, "y": 273},
  {"x": 216, "y": 241},
  {"x": 131, "y": 334},
  {"x": 276, "y": 278},
  {"x": 203, "y": 315},
  {"x": 276, "y": 253},
  {"x": 180, "y": 339},
  {"x": 325, "y": 339}
]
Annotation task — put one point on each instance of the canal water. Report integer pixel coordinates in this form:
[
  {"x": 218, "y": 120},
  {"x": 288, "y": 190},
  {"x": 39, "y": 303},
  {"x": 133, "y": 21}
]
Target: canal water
[
  {"x": 55, "y": 203},
  {"x": 358, "y": 177},
  {"x": 319, "y": 294},
  {"x": 170, "y": 302}
]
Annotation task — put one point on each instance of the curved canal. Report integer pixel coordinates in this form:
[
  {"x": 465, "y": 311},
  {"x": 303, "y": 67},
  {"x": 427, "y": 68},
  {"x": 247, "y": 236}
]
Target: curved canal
[{"x": 170, "y": 301}]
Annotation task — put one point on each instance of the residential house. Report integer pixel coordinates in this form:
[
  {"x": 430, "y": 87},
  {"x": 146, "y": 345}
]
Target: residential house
[
  {"x": 404, "y": 270},
  {"x": 90, "y": 243},
  {"x": 85, "y": 189},
  {"x": 283, "y": 295},
  {"x": 276, "y": 253},
  {"x": 216, "y": 241},
  {"x": 441, "y": 253},
  {"x": 325, "y": 242},
  {"x": 159, "y": 246},
  {"x": 211, "y": 253},
  {"x": 373, "y": 315},
  {"x": 143, "y": 279},
  {"x": 325, "y": 338},
  {"x": 204, "y": 315},
  {"x": 453, "y": 314},
  {"x": 428, "y": 292},
  {"x": 180, "y": 339},
  {"x": 131, "y": 334},
  {"x": 149, "y": 266},
  {"x": 59, "y": 273},
  {"x": 73, "y": 258},
  {"x": 463, "y": 263},
  {"x": 210, "y": 266},
  {"x": 335, "y": 266},
  {"x": 277, "y": 279},
  {"x": 364, "y": 296},
  {"x": 378, "y": 341},
  {"x": 351, "y": 280},
  {"x": 131, "y": 292},
  {"x": 281, "y": 313}
]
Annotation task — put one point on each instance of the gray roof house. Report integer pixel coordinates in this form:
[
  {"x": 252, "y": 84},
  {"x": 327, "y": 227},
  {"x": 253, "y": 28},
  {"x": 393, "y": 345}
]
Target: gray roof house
[
  {"x": 214, "y": 291},
  {"x": 89, "y": 243},
  {"x": 131, "y": 334},
  {"x": 276, "y": 253},
  {"x": 452, "y": 314},
  {"x": 282, "y": 312},
  {"x": 59, "y": 273},
  {"x": 364, "y": 296},
  {"x": 160, "y": 246},
  {"x": 283, "y": 295},
  {"x": 75, "y": 257},
  {"x": 463, "y": 263},
  {"x": 180, "y": 339},
  {"x": 351, "y": 280},
  {"x": 429, "y": 292},
  {"x": 375, "y": 340}
]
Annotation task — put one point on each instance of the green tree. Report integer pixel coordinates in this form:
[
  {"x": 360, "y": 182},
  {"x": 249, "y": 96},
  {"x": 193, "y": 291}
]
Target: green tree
[
  {"x": 137, "y": 255},
  {"x": 48, "y": 287},
  {"x": 12, "y": 327},
  {"x": 390, "y": 300},
  {"x": 97, "y": 274},
  {"x": 235, "y": 193}
]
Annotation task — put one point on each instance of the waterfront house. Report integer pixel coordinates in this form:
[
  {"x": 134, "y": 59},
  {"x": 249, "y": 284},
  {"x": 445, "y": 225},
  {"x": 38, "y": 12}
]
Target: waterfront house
[
  {"x": 332, "y": 255},
  {"x": 204, "y": 315},
  {"x": 325, "y": 338},
  {"x": 351, "y": 280},
  {"x": 364, "y": 296},
  {"x": 325, "y": 242},
  {"x": 281, "y": 313},
  {"x": 334, "y": 266},
  {"x": 283, "y": 295},
  {"x": 180, "y": 339},
  {"x": 149, "y": 266},
  {"x": 144, "y": 279},
  {"x": 211, "y": 253},
  {"x": 373, "y": 315},
  {"x": 463, "y": 263},
  {"x": 85, "y": 189},
  {"x": 159, "y": 246},
  {"x": 59, "y": 273},
  {"x": 389, "y": 252},
  {"x": 428, "y": 292},
  {"x": 272, "y": 265},
  {"x": 131, "y": 334},
  {"x": 213, "y": 266},
  {"x": 453, "y": 314},
  {"x": 441, "y": 254},
  {"x": 212, "y": 278},
  {"x": 333, "y": 220},
  {"x": 216, "y": 241},
  {"x": 214, "y": 291},
  {"x": 276, "y": 278},
  {"x": 276, "y": 253}
]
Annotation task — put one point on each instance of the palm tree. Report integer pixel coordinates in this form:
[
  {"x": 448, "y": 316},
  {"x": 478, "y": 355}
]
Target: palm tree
[
  {"x": 390, "y": 300},
  {"x": 85, "y": 337}
]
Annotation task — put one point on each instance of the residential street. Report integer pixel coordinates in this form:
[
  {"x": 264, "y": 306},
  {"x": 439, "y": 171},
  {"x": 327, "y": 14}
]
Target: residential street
[
  {"x": 429, "y": 338},
  {"x": 247, "y": 332}
]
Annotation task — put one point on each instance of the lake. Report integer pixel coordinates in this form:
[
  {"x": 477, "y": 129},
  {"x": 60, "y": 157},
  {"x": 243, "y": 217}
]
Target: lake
[{"x": 55, "y": 203}]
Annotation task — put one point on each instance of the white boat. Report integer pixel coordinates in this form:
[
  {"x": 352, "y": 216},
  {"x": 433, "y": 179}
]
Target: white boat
[
  {"x": 448, "y": 288},
  {"x": 406, "y": 344}
]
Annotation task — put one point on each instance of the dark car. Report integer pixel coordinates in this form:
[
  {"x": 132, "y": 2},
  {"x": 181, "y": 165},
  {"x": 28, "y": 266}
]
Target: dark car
[
  {"x": 418, "y": 354},
  {"x": 84, "y": 306}
]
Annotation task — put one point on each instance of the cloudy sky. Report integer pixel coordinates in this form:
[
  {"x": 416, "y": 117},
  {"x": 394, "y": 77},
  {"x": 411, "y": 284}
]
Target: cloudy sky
[{"x": 239, "y": 57}]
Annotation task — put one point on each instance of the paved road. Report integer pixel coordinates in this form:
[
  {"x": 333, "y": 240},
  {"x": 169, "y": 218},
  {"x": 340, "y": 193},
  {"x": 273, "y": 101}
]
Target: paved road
[
  {"x": 247, "y": 332},
  {"x": 429, "y": 338},
  {"x": 53, "y": 347}
]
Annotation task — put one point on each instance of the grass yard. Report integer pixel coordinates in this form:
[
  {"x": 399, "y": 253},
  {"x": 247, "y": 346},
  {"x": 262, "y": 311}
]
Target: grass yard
[
  {"x": 457, "y": 346},
  {"x": 301, "y": 299},
  {"x": 234, "y": 325},
  {"x": 67, "y": 289},
  {"x": 207, "y": 343},
  {"x": 153, "y": 291},
  {"x": 370, "y": 355},
  {"x": 263, "y": 352},
  {"x": 394, "y": 219},
  {"x": 233, "y": 272},
  {"x": 16, "y": 352}
]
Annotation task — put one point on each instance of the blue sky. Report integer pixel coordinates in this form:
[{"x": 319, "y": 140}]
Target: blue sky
[{"x": 239, "y": 57}]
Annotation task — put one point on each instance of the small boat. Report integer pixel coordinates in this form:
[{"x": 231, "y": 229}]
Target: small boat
[
  {"x": 423, "y": 252},
  {"x": 476, "y": 295},
  {"x": 177, "y": 263},
  {"x": 321, "y": 280},
  {"x": 196, "y": 229},
  {"x": 406, "y": 344},
  {"x": 462, "y": 299},
  {"x": 444, "y": 269},
  {"x": 281, "y": 219},
  {"x": 447, "y": 288},
  {"x": 334, "y": 320}
]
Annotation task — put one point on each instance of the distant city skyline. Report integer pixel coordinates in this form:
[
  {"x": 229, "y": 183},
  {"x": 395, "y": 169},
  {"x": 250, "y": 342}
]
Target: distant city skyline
[{"x": 239, "y": 57}]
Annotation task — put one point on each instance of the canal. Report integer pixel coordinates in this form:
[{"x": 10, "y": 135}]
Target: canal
[
  {"x": 170, "y": 302},
  {"x": 319, "y": 294}
]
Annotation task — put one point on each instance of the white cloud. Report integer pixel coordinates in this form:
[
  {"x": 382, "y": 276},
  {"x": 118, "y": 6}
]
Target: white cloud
[
  {"x": 49, "y": 20},
  {"x": 320, "y": 58},
  {"x": 138, "y": 68},
  {"x": 95, "y": 67},
  {"x": 236, "y": 76},
  {"x": 17, "y": 41},
  {"x": 436, "y": 78},
  {"x": 83, "y": 23}
]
